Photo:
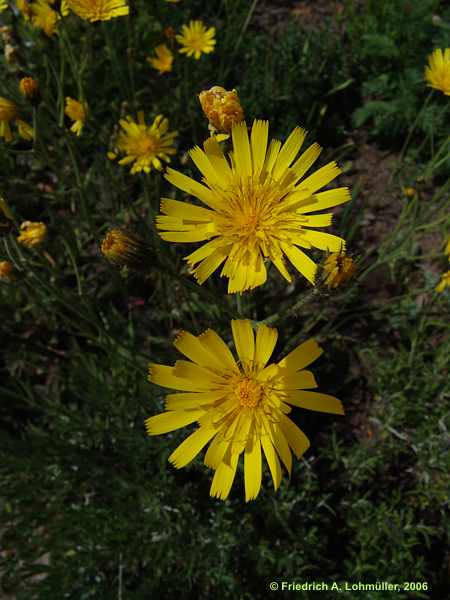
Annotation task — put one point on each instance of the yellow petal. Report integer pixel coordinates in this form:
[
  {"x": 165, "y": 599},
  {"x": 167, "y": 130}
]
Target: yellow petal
[
  {"x": 266, "y": 338},
  {"x": 164, "y": 376},
  {"x": 306, "y": 160},
  {"x": 171, "y": 420},
  {"x": 322, "y": 177},
  {"x": 252, "y": 469},
  {"x": 316, "y": 401},
  {"x": 191, "y": 446},
  {"x": 272, "y": 460},
  {"x": 324, "y": 241},
  {"x": 282, "y": 448},
  {"x": 223, "y": 478},
  {"x": 244, "y": 340},
  {"x": 301, "y": 261},
  {"x": 192, "y": 348},
  {"x": 184, "y": 210},
  {"x": 301, "y": 357},
  {"x": 216, "y": 451},
  {"x": 241, "y": 147},
  {"x": 302, "y": 380},
  {"x": 295, "y": 437},
  {"x": 289, "y": 151},
  {"x": 215, "y": 344},
  {"x": 259, "y": 138},
  {"x": 327, "y": 199},
  {"x": 205, "y": 378},
  {"x": 193, "y": 399}
]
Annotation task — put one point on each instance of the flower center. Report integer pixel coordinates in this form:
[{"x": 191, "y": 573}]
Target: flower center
[
  {"x": 249, "y": 393},
  {"x": 145, "y": 145}
]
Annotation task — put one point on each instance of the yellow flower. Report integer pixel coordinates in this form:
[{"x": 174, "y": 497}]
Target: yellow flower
[
  {"x": 24, "y": 7},
  {"x": 258, "y": 208},
  {"x": 99, "y": 10},
  {"x": 447, "y": 249},
  {"x": 3, "y": 5},
  {"x": 409, "y": 192},
  {"x": 32, "y": 234},
  {"x": 77, "y": 112},
  {"x": 444, "y": 283},
  {"x": 44, "y": 17},
  {"x": 196, "y": 39},
  {"x": 221, "y": 108},
  {"x": 163, "y": 60},
  {"x": 29, "y": 88},
  {"x": 123, "y": 248},
  {"x": 6, "y": 270},
  {"x": 338, "y": 268},
  {"x": 437, "y": 73},
  {"x": 145, "y": 145},
  {"x": 240, "y": 407},
  {"x": 8, "y": 113}
]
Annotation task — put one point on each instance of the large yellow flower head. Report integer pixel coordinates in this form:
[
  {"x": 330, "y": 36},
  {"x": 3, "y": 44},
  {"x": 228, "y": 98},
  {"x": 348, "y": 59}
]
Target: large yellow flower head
[
  {"x": 240, "y": 407},
  {"x": 437, "y": 73},
  {"x": 258, "y": 208},
  {"x": 99, "y": 10},
  {"x": 145, "y": 145},
  {"x": 196, "y": 39}
]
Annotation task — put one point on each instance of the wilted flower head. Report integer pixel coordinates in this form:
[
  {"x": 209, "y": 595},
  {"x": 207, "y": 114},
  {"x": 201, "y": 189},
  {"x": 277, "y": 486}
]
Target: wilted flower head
[
  {"x": 124, "y": 248},
  {"x": 29, "y": 88},
  {"x": 258, "y": 208},
  {"x": 437, "y": 73},
  {"x": 6, "y": 270},
  {"x": 77, "y": 112},
  {"x": 32, "y": 234},
  {"x": 99, "y": 10},
  {"x": 222, "y": 108},
  {"x": 24, "y": 7},
  {"x": 240, "y": 407},
  {"x": 144, "y": 146},
  {"x": 338, "y": 269},
  {"x": 196, "y": 39},
  {"x": 444, "y": 283},
  {"x": 163, "y": 60}
]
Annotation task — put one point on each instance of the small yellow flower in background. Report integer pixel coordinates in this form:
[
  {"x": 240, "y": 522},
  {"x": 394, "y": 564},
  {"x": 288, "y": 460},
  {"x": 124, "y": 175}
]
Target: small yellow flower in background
[
  {"x": 8, "y": 113},
  {"x": 222, "y": 108},
  {"x": 196, "y": 39},
  {"x": 447, "y": 249},
  {"x": 444, "y": 283},
  {"x": 99, "y": 10},
  {"x": 24, "y": 7},
  {"x": 163, "y": 60},
  {"x": 29, "y": 88},
  {"x": 77, "y": 112},
  {"x": 144, "y": 145},
  {"x": 437, "y": 73},
  {"x": 32, "y": 234},
  {"x": 6, "y": 270},
  {"x": 338, "y": 268},
  {"x": 124, "y": 248},
  {"x": 240, "y": 407},
  {"x": 257, "y": 208},
  {"x": 44, "y": 17},
  {"x": 3, "y": 5},
  {"x": 409, "y": 192}
]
